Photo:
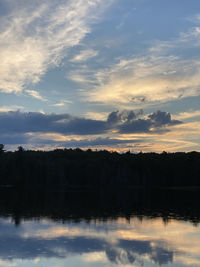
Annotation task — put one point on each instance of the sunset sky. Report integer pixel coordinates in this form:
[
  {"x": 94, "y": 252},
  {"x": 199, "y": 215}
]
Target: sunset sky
[{"x": 101, "y": 74}]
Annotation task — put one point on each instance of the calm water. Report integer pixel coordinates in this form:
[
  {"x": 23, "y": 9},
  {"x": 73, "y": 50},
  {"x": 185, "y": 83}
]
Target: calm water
[
  {"x": 149, "y": 242},
  {"x": 100, "y": 231}
]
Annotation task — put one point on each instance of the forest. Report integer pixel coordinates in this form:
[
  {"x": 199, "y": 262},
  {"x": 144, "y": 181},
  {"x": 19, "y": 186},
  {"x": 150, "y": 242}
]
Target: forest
[{"x": 76, "y": 169}]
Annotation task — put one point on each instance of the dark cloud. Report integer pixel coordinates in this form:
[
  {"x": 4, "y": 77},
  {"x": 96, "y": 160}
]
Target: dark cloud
[
  {"x": 126, "y": 116},
  {"x": 137, "y": 126},
  {"x": 159, "y": 119},
  {"x": 13, "y": 139},
  {"x": 155, "y": 122},
  {"x": 16, "y": 126},
  {"x": 18, "y": 122},
  {"x": 82, "y": 126}
]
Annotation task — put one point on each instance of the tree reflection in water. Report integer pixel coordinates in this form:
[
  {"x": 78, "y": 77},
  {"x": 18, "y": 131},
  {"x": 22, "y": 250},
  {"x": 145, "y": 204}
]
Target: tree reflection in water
[{"x": 125, "y": 228}]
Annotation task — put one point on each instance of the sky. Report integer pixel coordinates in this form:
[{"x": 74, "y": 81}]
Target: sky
[{"x": 121, "y": 75}]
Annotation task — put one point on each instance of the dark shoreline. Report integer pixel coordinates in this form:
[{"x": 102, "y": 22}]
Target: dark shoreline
[{"x": 67, "y": 169}]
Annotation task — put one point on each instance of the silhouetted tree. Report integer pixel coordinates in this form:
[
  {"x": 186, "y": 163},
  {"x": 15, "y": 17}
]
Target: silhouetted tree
[
  {"x": 20, "y": 149},
  {"x": 1, "y": 148}
]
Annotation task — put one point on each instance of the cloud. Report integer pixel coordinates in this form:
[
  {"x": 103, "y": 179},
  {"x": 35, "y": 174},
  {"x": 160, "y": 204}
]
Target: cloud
[
  {"x": 125, "y": 121},
  {"x": 10, "y": 108},
  {"x": 52, "y": 141},
  {"x": 19, "y": 122},
  {"x": 64, "y": 130},
  {"x": 100, "y": 142},
  {"x": 35, "y": 94},
  {"x": 62, "y": 103},
  {"x": 160, "y": 119},
  {"x": 128, "y": 121},
  {"x": 35, "y": 36},
  {"x": 15, "y": 139},
  {"x": 164, "y": 71},
  {"x": 148, "y": 79},
  {"x": 190, "y": 114},
  {"x": 85, "y": 55},
  {"x": 82, "y": 75},
  {"x": 96, "y": 115},
  {"x": 127, "y": 116}
]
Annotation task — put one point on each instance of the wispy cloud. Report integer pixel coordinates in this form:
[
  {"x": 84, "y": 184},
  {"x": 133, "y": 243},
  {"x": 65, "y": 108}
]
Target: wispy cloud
[
  {"x": 36, "y": 36},
  {"x": 35, "y": 94},
  {"x": 163, "y": 72},
  {"x": 147, "y": 79},
  {"x": 10, "y": 108},
  {"x": 84, "y": 55},
  {"x": 62, "y": 103},
  {"x": 190, "y": 114}
]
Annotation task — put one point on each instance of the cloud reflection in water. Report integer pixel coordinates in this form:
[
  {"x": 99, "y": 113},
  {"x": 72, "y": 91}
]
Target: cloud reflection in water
[{"x": 118, "y": 242}]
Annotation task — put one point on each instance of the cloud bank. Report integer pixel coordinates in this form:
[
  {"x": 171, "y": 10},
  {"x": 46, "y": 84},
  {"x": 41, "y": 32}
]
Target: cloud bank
[
  {"x": 124, "y": 122},
  {"x": 53, "y": 129}
]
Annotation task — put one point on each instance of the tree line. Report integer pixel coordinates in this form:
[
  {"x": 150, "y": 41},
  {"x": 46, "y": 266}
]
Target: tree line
[{"x": 63, "y": 169}]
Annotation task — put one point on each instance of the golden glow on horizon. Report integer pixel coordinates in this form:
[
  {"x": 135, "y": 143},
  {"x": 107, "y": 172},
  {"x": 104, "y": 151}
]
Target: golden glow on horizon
[{"x": 181, "y": 137}]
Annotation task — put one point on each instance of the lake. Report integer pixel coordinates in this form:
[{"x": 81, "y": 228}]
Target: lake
[{"x": 98, "y": 233}]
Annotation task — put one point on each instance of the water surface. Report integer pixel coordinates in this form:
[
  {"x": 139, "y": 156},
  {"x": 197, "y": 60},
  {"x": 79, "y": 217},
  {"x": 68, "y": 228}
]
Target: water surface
[
  {"x": 119, "y": 242},
  {"x": 100, "y": 231}
]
